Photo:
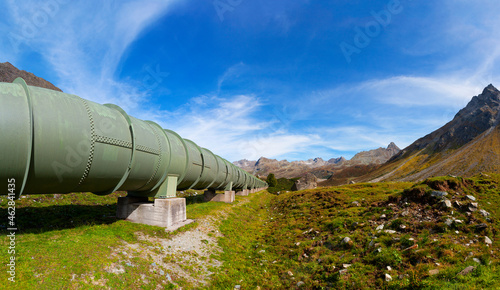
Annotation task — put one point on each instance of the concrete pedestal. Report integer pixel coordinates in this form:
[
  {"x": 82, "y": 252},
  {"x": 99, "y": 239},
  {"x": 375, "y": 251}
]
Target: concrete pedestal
[
  {"x": 227, "y": 197},
  {"x": 243, "y": 192},
  {"x": 169, "y": 212}
]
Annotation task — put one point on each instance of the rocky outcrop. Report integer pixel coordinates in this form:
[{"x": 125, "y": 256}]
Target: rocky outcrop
[
  {"x": 376, "y": 156},
  {"x": 8, "y": 73},
  {"x": 307, "y": 182}
]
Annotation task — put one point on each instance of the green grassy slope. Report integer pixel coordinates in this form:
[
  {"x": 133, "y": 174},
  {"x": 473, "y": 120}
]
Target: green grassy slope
[{"x": 295, "y": 239}]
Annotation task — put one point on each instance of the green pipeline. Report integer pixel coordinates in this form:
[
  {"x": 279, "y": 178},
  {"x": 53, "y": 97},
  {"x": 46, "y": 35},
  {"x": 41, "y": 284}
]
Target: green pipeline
[{"x": 52, "y": 142}]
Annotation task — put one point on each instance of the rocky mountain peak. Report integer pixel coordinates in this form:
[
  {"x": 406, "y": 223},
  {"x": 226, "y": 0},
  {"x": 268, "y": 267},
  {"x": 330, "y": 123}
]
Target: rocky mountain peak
[
  {"x": 392, "y": 146},
  {"x": 8, "y": 73}
]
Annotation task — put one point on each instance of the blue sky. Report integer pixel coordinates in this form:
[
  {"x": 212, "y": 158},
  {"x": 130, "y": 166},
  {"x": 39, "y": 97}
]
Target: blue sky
[{"x": 281, "y": 79}]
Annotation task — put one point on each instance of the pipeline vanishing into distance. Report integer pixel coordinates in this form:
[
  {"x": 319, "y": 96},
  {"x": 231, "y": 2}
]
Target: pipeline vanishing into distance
[{"x": 53, "y": 142}]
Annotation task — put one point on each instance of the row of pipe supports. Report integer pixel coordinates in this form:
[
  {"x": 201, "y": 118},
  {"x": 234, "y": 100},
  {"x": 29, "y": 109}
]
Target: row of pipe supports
[{"x": 167, "y": 210}]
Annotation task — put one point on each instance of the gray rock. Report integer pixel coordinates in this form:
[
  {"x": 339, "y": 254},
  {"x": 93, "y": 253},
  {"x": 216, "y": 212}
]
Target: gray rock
[
  {"x": 309, "y": 181},
  {"x": 484, "y": 213},
  {"x": 481, "y": 226},
  {"x": 168, "y": 277},
  {"x": 477, "y": 260},
  {"x": 343, "y": 272},
  {"x": 439, "y": 194},
  {"x": 380, "y": 227},
  {"x": 488, "y": 241},
  {"x": 390, "y": 231},
  {"x": 433, "y": 272},
  {"x": 446, "y": 203},
  {"x": 300, "y": 284},
  {"x": 237, "y": 287},
  {"x": 346, "y": 240},
  {"x": 471, "y": 197},
  {"x": 355, "y": 203},
  {"x": 466, "y": 271},
  {"x": 472, "y": 208},
  {"x": 448, "y": 222},
  {"x": 388, "y": 278},
  {"x": 383, "y": 216}
]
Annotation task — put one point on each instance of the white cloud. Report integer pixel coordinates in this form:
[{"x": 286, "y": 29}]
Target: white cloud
[
  {"x": 84, "y": 42},
  {"x": 232, "y": 128}
]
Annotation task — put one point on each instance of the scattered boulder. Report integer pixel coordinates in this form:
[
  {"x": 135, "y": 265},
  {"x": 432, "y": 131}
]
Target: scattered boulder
[
  {"x": 481, "y": 226},
  {"x": 433, "y": 272},
  {"x": 484, "y": 213},
  {"x": 471, "y": 197},
  {"x": 488, "y": 241},
  {"x": 346, "y": 241},
  {"x": 446, "y": 204},
  {"x": 309, "y": 181},
  {"x": 300, "y": 284},
  {"x": 439, "y": 194},
  {"x": 388, "y": 278},
  {"x": 466, "y": 271}
]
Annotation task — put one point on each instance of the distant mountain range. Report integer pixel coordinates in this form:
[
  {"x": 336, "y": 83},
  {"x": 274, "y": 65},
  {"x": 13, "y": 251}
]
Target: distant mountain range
[
  {"x": 467, "y": 145},
  {"x": 317, "y": 166}
]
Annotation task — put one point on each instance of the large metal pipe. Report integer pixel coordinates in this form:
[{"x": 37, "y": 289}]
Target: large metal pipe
[{"x": 53, "y": 142}]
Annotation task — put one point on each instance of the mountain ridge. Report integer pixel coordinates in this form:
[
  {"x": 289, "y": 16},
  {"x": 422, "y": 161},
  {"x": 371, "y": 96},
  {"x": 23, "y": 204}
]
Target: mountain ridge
[
  {"x": 317, "y": 166},
  {"x": 467, "y": 145}
]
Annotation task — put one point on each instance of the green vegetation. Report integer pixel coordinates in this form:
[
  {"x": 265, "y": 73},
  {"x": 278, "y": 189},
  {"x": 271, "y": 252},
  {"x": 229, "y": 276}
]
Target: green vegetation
[
  {"x": 271, "y": 180},
  {"x": 298, "y": 238},
  {"x": 327, "y": 238},
  {"x": 282, "y": 185}
]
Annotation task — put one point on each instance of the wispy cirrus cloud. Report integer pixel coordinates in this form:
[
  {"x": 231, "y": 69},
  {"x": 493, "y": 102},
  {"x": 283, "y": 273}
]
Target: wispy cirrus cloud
[{"x": 85, "y": 49}]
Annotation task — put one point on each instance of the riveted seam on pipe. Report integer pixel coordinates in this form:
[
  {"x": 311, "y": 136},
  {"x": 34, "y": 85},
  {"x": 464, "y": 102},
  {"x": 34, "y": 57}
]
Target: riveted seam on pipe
[
  {"x": 92, "y": 141},
  {"x": 165, "y": 174},
  {"x": 159, "y": 156}
]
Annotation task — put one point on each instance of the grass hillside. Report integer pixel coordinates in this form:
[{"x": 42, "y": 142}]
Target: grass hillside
[{"x": 394, "y": 235}]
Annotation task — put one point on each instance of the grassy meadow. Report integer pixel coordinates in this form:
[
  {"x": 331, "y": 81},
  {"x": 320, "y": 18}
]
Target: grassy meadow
[{"x": 359, "y": 236}]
